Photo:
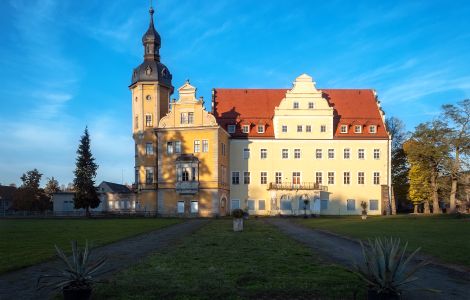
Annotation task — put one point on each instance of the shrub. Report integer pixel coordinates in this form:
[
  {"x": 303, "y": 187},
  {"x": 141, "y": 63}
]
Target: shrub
[{"x": 237, "y": 213}]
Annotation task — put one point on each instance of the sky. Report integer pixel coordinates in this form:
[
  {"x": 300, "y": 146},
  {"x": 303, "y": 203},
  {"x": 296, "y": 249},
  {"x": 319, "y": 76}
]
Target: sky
[{"x": 67, "y": 64}]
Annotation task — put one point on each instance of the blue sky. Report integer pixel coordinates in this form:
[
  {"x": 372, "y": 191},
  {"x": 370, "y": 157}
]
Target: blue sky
[{"x": 67, "y": 64}]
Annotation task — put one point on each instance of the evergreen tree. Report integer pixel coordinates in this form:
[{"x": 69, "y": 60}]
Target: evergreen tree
[
  {"x": 85, "y": 172},
  {"x": 52, "y": 186}
]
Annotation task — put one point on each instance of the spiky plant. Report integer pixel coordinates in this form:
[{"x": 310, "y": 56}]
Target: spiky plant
[
  {"x": 386, "y": 268},
  {"x": 78, "y": 272}
]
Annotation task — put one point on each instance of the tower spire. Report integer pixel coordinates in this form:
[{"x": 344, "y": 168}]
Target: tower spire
[{"x": 151, "y": 39}]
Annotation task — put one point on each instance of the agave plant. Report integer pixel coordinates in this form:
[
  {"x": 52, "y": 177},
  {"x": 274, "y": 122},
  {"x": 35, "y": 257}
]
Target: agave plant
[
  {"x": 78, "y": 272},
  {"x": 386, "y": 268}
]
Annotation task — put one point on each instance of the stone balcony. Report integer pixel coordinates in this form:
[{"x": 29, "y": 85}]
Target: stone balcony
[
  {"x": 297, "y": 186},
  {"x": 187, "y": 187}
]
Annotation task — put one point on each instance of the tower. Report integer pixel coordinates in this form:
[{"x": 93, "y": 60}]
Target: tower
[{"x": 151, "y": 89}]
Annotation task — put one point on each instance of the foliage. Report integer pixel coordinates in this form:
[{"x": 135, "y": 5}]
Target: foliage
[
  {"x": 78, "y": 273},
  {"x": 364, "y": 207},
  {"x": 386, "y": 269},
  {"x": 238, "y": 213},
  {"x": 29, "y": 196},
  {"x": 52, "y": 186},
  {"x": 400, "y": 165},
  {"x": 85, "y": 172},
  {"x": 427, "y": 148},
  {"x": 25, "y": 242},
  {"x": 420, "y": 187},
  {"x": 459, "y": 141}
]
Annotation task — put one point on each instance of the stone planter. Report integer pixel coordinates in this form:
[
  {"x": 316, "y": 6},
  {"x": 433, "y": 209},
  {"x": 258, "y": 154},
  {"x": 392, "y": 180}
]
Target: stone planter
[
  {"x": 364, "y": 217},
  {"x": 238, "y": 224}
]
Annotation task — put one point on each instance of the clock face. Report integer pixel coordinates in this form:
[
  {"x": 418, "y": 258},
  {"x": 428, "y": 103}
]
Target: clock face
[{"x": 148, "y": 97}]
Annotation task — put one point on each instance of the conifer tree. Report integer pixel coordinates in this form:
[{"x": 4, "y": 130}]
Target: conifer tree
[{"x": 85, "y": 173}]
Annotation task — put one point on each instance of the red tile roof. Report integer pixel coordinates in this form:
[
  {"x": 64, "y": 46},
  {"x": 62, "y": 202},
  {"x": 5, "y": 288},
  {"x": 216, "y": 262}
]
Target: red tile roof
[{"x": 256, "y": 106}]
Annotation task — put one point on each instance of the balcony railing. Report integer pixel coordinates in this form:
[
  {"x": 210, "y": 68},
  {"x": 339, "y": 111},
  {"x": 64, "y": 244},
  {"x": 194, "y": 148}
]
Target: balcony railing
[
  {"x": 297, "y": 186},
  {"x": 187, "y": 187},
  {"x": 148, "y": 186}
]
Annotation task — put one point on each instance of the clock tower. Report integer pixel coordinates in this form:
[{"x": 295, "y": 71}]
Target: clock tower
[{"x": 151, "y": 89}]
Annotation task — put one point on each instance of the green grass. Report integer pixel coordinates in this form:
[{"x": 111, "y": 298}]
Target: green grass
[
  {"x": 446, "y": 238},
  {"x": 30, "y": 241},
  {"x": 217, "y": 263}
]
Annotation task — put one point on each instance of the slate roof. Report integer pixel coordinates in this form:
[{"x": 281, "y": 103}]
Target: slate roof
[{"x": 117, "y": 188}]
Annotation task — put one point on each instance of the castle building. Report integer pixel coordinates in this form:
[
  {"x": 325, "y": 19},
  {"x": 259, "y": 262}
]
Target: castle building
[{"x": 268, "y": 151}]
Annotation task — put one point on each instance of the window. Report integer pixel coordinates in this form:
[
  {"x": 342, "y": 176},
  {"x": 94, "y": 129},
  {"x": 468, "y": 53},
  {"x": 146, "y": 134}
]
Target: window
[
  {"x": 331, "y": 177},
  {"x": 299, "y": 128},
  {"x": 308, "y": 128},
  {"x": 376, "y": 153},
  {"x": 351, "y": 204},
  {"x": 136, "y": 122},
  {"x": 235, "y": 204},
  {"x": 149, "y": 176},
  {"x": 224, "y": 175},
  {"x": 323, "y": 204},
  {"x": 194, "y": 207},
  {"x": 285, "y": 153},
  {"x": 181, "y": 207},
  {"x": 331, "y": 153},
  {"x": 184, "y": 118},
  {"x": 360, "y": 154},
  {"x": 373, "y": 204},
  {"x": 261, "y": 205},
  {"x": 323, "y": 128},
  {"x": 296, "y": 153},
  {"x": 235, "y": 177},
  {"x": 360, "y": 178},
  {"x": 311, "y": 105},
  {"x": 137, "y": 181},
  {"x": 295, "y": 177},
  {"x": 177, "y": 146},
  {"x": 263, "y": 153},
  {"x": 347, "y": 153},
  {"x": 197, "y": 146},
  {"x": 357, "y": 128},
  {"x": 205, "y": 146},
  {"x": 286, "y": 204},
  {"x": 346, "y": 178},
  {"x": 246, "y": 177},
  {"x": 250, "y": 204},
  {"x": 260, "y": 128},
  {"x": 148, "y": 149},
  {"x": 190, "y": 117},
  {"x": 264, "y": 177},
  {"x": 169, "y": 148},
  {"x": 278, "y": 178},
  {"x": 318, "y": 177},
  {"x": 246, "y": 153},
  {"x": 344, "y": 128},
  {"x": 372, "y": 129},
  {"x": 245, "y": 128},
  {"x": 296, "y": 105},
  {"x": 318, "y": 153},
  {"x": 376, "y": 178},
  {"x": 148, "y": 120},
  {"x": 284, "y": 128},
  {"x": 223, "y": 149},
  {"x": 231, "y": 128}
]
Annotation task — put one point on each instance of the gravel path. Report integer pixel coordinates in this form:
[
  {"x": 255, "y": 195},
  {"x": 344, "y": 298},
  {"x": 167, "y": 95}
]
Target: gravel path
[
  {"x": 451, "y": 283},
  {"x": 21, "y": 284}
]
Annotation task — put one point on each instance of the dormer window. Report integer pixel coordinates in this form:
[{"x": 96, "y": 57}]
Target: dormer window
[
  {"x": 311, "y": 105},
  {"x": 231, "y": 128},
  {"x": 148, "y": 71},
  {"x": 296, "y": 105},
  {"x": 372, "y": 129},
  {"x": 357, "y": 128},
  {"x": 260, "y": 128},
  {"x": 344, "y": 128},
  {"x": 246, "y": 128}
]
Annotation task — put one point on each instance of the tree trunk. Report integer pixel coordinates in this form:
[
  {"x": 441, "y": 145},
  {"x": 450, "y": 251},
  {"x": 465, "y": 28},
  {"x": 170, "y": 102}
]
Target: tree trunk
[
  {"x": 393, "y": 203},
  {"x": 454, "y": 177},
  {"x": 415, "y": 211},
  {"x": 426, "y": 208},
  {"x": 435, "y": 196},
  {"x": 87, "y": 211}
]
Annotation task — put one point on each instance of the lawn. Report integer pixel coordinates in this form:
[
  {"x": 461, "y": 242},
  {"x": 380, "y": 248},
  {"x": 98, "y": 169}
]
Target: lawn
[
  {"x": 217, "y": 263},
  {"x": 446, "y": 238},
  {"x": 29, "y": 241}
]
